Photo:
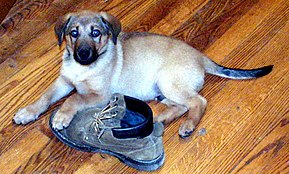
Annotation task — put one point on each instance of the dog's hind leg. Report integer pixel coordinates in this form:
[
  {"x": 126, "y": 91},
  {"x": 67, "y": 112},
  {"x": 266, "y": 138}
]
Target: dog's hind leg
[
  {"x": 182, "y": 98},
  {"x": 178, "y": 105},
  {"x": 172, "y": 112},
  {"x": 197, "y": 105}
]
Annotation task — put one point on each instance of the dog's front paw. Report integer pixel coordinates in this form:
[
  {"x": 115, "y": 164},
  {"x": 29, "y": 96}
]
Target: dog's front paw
[
  {"x": 24, "y": 116},
  {"x": 61, "y": 120}
]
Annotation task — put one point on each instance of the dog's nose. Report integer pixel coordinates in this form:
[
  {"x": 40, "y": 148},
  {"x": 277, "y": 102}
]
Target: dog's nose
[{"x": 84, "y": 53}]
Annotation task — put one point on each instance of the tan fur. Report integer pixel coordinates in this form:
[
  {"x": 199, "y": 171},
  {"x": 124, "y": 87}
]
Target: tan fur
[{"x": 141, "y": 65}]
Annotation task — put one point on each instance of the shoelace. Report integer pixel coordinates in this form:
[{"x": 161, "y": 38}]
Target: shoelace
[{"x": 104, "y": 114}]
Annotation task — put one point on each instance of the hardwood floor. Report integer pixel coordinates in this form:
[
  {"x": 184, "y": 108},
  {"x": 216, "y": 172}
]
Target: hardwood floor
[{"x": 246, "y": 122}]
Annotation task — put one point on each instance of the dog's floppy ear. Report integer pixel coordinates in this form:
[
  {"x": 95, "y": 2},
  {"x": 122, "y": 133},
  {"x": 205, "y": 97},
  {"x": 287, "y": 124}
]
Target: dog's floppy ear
[
  {"x": 61, "y": 26},
  {"x": 111, "y": 24}
]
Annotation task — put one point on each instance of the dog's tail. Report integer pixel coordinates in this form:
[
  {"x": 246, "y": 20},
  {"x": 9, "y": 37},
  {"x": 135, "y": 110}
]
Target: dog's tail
[{"x": 212, "y": 67}]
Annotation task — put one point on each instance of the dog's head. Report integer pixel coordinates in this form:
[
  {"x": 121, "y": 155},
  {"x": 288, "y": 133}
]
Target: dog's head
[{"x": 87, "y": 34}]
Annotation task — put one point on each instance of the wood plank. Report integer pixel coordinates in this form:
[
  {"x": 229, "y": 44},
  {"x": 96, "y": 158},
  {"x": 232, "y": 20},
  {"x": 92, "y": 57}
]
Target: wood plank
[
  {"x": 5, "y": 7},
  {"x": 238, "y": 32},
  {"x": 22, "y": 151},
  {"x": 180, "y": 13},
  {"x": 236, "y": 139},
  {"x": 55, "y": 157},
  {"x": 262, "y": 34},
  {"x": 98, "y": 164},
  {"x": 213, "y": 20},
  {"x": 161, "y": 14},
  {"x": 270, "y": 155}
]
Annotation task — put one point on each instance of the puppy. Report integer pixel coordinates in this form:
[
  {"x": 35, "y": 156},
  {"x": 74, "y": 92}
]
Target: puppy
[{"x": 100, "y": 60}]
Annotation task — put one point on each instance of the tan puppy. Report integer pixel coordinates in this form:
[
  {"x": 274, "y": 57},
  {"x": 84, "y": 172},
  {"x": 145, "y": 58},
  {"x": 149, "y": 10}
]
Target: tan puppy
[{"x": 100, "y": 60}]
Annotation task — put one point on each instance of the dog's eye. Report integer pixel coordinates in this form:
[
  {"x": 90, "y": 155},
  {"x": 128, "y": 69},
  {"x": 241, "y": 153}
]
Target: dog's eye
[
  {"x": 95, "y": 33},
  {"x": 74, "y": 33}
]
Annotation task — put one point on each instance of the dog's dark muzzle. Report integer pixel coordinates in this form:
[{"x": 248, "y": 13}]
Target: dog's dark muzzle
[{"x": 85, "y": 55}]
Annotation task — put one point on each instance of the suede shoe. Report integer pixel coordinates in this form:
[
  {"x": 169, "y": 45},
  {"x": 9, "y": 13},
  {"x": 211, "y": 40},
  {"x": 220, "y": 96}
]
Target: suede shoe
[{"x": 124, "y": 129}]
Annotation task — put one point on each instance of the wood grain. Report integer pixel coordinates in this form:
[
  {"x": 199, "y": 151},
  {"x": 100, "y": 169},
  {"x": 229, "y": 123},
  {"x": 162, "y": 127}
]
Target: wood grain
[
  {"x": 246, "y": 122},
  {"x": 22, "y": 151},
  {"x": 5, "y": 7}
]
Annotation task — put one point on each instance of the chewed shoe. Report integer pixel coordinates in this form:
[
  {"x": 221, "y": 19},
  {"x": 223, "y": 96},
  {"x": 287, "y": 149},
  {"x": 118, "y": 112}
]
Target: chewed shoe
[{"x": 124, "y": 129}]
